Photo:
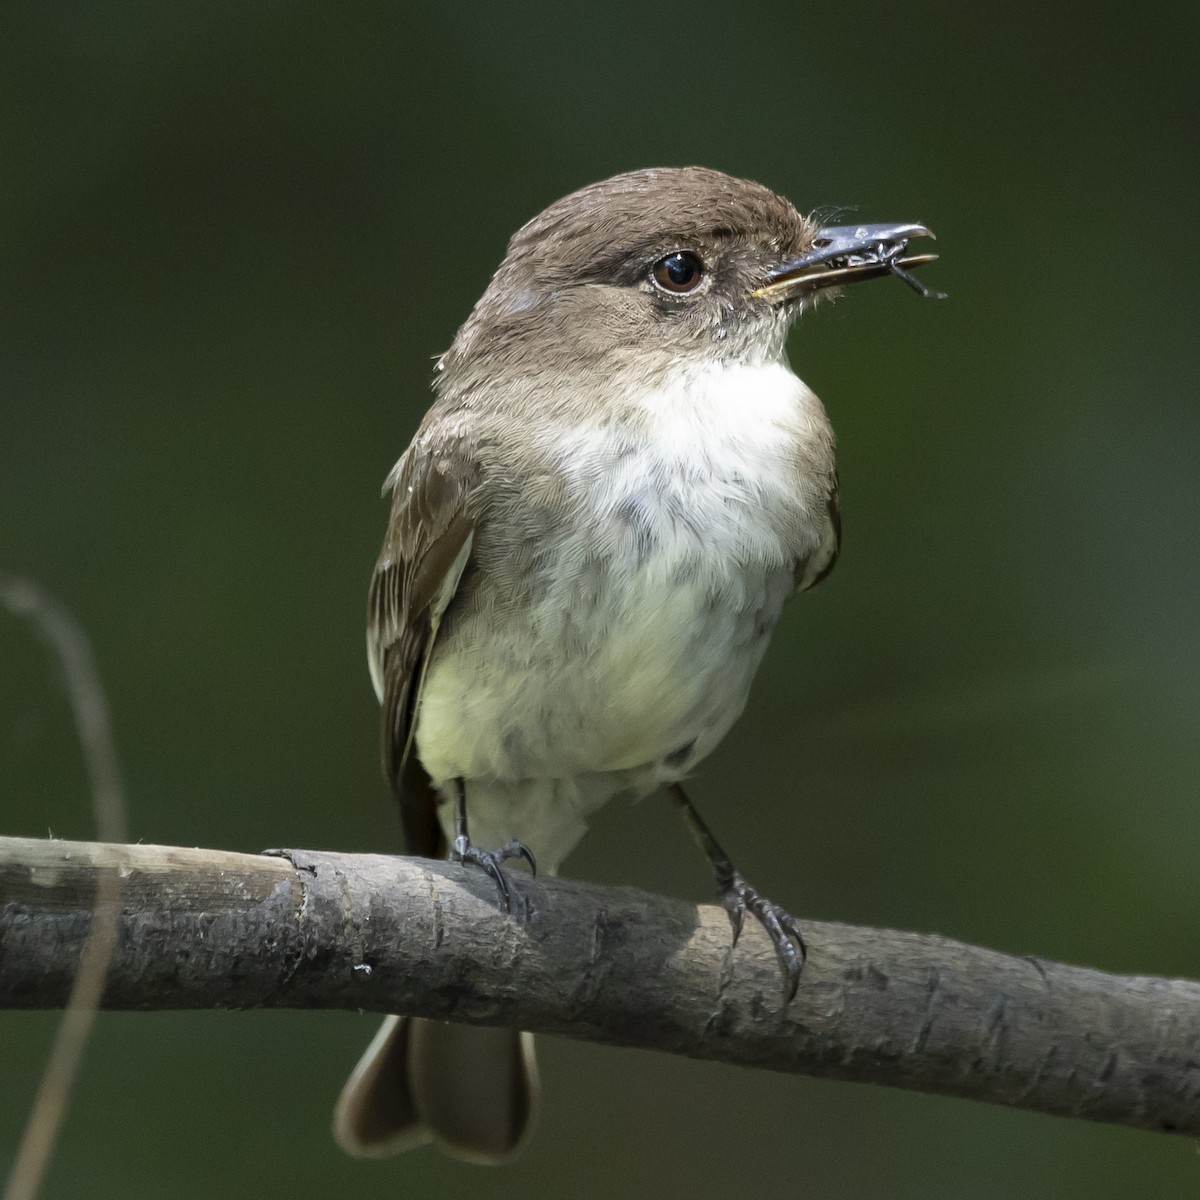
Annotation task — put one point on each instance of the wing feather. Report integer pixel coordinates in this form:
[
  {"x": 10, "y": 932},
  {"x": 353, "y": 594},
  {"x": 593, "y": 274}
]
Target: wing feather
[
  {"x": 425, "y": 554},
  {"x": 811, "y": 570}
]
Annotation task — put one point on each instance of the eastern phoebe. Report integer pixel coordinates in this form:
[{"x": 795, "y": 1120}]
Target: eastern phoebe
[{"x": 592, "y": 536}]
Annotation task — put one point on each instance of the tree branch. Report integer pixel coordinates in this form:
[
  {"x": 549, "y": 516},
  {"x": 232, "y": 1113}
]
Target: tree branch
[{"x": 308, "y": 929}]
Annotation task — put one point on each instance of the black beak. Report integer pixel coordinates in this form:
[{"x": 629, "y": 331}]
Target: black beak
[{"x": 846, "y": 254}]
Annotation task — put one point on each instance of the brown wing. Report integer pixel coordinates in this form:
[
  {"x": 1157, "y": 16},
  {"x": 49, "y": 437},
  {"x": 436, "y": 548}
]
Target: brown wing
[
  {"x": 810, "y": 571},
  {"x": 425, "y": 552}
]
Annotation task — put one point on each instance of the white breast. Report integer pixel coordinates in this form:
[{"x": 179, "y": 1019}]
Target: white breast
[{"x": 651, "y": 615}]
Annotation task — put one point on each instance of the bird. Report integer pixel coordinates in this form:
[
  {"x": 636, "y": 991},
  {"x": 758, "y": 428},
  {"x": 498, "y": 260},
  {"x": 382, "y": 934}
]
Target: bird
[{"x": 592, "y": 535}]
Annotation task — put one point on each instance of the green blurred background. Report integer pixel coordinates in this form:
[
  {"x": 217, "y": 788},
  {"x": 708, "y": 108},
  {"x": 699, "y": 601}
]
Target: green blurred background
[{"x": 231, "y": 238}]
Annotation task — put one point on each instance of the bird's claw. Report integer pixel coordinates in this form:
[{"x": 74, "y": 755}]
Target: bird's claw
[
  {"x": 781, "y": 927},
  {"x": 489, "y": 860}
]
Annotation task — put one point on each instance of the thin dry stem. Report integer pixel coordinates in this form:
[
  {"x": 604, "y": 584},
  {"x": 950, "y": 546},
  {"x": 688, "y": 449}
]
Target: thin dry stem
[{"x": 73, "y": 650}]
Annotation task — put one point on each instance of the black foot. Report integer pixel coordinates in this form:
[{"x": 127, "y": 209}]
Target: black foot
[
  {"x": 463, "y": 852},
  {"x": 780, "y": 925}
]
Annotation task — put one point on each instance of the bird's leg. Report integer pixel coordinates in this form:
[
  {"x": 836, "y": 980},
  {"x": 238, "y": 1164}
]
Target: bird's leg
[
  {"x": 737, "y": 896},
  {"x": 461, "y": 850}
]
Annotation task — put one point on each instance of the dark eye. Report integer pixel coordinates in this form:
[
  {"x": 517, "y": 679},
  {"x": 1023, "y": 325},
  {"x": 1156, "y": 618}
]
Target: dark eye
[{"x": 678, "y": 272}]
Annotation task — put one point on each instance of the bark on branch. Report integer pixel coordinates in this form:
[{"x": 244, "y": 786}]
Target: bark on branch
[{"x": 305, "y": 929}]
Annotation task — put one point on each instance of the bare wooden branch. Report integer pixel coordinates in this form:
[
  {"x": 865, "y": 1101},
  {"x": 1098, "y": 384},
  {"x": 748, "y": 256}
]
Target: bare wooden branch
[{"x": 307, "y": 929}]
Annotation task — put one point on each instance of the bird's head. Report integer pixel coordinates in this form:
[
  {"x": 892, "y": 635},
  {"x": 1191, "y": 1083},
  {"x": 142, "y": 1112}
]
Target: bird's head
[{"x": 651, "y": 265}]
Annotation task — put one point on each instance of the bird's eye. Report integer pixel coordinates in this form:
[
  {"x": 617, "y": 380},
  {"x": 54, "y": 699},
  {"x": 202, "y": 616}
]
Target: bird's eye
[{"x": 679, "y": 272}]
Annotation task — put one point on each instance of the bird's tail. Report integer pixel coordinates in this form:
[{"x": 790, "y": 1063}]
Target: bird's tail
[{"x": 473, "y": 1090}]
